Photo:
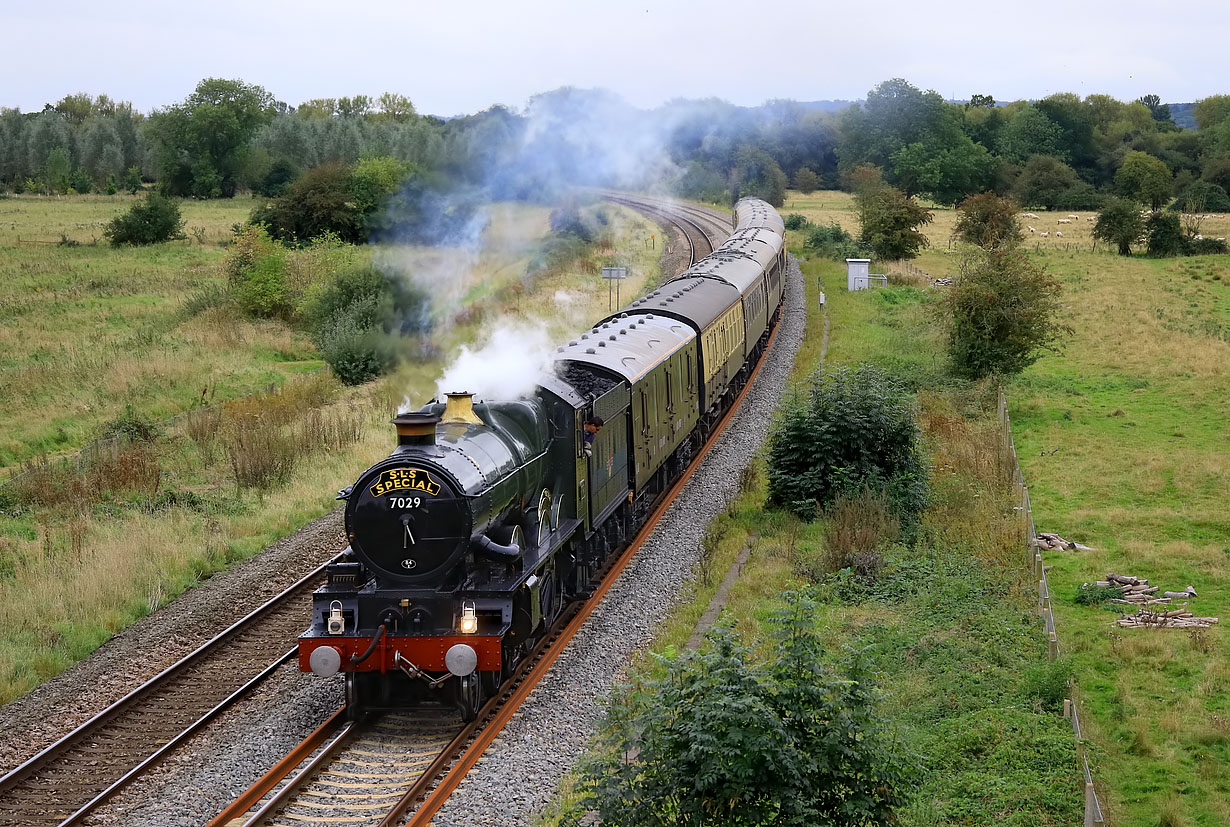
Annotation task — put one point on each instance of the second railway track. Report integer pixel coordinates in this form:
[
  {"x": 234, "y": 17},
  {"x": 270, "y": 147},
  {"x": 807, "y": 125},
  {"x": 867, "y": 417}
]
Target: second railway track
[{"x": 69, "y": 778}]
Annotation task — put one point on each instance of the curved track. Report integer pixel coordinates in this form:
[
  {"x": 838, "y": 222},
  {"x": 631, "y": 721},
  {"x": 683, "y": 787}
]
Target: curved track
[
  {"x": 703, "y": 229},
  {"x": 72, "y": 776}
]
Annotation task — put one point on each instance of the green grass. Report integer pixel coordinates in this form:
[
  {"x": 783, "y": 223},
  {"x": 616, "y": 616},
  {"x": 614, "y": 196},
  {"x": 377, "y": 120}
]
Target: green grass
[{"x": 1123, "y": 441}]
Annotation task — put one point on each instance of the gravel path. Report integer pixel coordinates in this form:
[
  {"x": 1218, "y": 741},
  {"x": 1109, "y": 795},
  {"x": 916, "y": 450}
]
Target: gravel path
[{"x": 518, "y": 775}]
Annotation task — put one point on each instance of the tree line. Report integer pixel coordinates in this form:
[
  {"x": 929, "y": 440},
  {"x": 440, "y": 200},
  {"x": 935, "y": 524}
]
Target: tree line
[{"x": 227, "y": 136}]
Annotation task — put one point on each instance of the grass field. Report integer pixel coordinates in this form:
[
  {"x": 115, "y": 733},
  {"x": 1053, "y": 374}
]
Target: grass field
[
  {"x": 94, "y": 330},
  {"x": 1123, "y": 441}
]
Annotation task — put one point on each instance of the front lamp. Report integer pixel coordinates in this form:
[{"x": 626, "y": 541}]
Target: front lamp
[{"x": 468, "y": 624}]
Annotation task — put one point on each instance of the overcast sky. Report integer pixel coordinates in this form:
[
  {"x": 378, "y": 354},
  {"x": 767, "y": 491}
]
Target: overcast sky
[{"x": 460, "y": 56}]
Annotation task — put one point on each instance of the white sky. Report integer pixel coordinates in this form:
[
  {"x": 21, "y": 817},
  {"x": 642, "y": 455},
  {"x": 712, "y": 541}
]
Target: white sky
[{"x": 460, "y": 56}]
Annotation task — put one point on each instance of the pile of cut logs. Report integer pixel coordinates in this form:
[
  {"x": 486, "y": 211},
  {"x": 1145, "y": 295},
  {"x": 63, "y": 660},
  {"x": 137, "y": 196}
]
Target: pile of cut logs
[
  {"x": 1047, "y": 540},
  {"x": 1137, "y": 592},
  {"x": 1174, "y": 619}
]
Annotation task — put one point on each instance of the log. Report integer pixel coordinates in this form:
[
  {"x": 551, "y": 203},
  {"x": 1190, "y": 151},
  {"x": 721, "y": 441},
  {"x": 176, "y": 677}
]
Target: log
[
  {"x": 1119, "y": 578},
  {"x": 1177, "y": 594}
]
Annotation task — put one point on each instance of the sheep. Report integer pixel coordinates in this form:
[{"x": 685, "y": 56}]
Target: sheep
[
  {"x": 1032, "y": 230},
  {"x": 1030, "y": 215},
  {"x": 1073, "y": 216},
  {"x": 1058, "y": 234},
  {"x": 1065, "y": 221},
  {"x": 1044, "y": 235},
  {"x": 1090, "y": 218}
]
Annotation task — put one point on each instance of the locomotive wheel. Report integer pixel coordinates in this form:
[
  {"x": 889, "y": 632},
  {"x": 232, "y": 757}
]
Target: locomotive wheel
[
  {"x": 468, "y": 696},
  {"x": 549, "y": 599},
  {"x": 360, "y": 691}
]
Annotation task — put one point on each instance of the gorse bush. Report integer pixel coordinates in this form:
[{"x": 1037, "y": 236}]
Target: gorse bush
[
  {"x": 720, "y": 740},
  {"x": 849, "y": 430},
  {"x": 153, "y": 220}
]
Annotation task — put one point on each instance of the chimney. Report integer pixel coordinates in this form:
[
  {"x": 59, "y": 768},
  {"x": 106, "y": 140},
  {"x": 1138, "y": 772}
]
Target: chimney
[
  {"x": 460, "y": 408},
  {"x": 416, "y": 428}
]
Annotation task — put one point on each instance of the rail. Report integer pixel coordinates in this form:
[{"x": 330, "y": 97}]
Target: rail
[{"x": 1093, "y": 807}]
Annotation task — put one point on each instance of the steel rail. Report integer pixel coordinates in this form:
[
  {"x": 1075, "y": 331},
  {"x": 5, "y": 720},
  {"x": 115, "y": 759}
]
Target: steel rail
[{"x": 85, "y": 800}]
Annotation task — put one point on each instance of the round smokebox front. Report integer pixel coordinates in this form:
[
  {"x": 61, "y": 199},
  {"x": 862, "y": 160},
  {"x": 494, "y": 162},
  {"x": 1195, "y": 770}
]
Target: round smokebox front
[{"x": 407, "y": 523}]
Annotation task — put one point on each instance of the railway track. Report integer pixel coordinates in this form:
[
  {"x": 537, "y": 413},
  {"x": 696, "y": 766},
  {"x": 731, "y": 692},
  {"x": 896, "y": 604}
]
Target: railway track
[
  {"x": 702, "y": 228},
  {"x": 71, "y": 777},
  {"x": 312, "y": 795}
]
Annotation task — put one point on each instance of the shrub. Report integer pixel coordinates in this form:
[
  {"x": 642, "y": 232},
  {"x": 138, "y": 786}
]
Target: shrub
[
  {"x": 1207, "y": 247},
  {"x": 355, "y": 353},
  {"x": 1002, "y": 313},
  {"x": 1047, "y": 684},
  {"x": 850, "y": 429},
  {"x": 1166, "y": 236},
  {"x": 153, "y": 220},
  {"x": 806, "y": 181},
  {"x": 794, "y": 221},
  {"x": 319, "y": 201},
  {"x": 890, "y": 220},
  {"x": 1091, "y": 595},
  {"x": 987, "y": 220},
  {"x": 833, "y": 242},
  {"x": 81, "y": 181},
  {"x": 132, "y": 426},
  {"x": 277, "y": 180},
  {"x": 1119, "y": 223},
  {"x": 720, "y": 740},
  {"x": 262, "y": 291}
]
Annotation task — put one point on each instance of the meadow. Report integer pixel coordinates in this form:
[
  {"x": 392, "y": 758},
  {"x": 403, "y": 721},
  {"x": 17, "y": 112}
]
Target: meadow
[
  {"x": 1122, "y": 438},
  {"x": 103, "y": 340}
]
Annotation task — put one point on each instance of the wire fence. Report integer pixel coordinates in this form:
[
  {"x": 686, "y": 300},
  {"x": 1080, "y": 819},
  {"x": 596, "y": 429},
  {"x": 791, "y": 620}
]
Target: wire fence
[{"x": 1093, "y": 807}]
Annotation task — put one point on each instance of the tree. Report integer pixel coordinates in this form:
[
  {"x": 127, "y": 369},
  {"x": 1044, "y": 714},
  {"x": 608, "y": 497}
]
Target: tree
[
  {"x": 756, "y": 174},
  {"x": 890, "y": 220},
  {"x": 396, "y": 107},
  {"x": 988, "y": 221},
  {"x": 1144, "y": 178},
  {"x": 321, "y": 200},
  {"x": 1044, "y": 182},
  {"x": 982, "y": 101},
  {"x": 719, "y": 741},
  {"x": 57, "y": 172},
  {"x": 1119, "y": 223},
  {"x": 1160, "y": 111},
  {"x": 1211, "y": 111},
  {"x": 806, "y": 181},
  {"x": 153, "y": 220},
  {"x": 201, "y": 143},
  {"x": 849, "y": 430},
  {"x": 1202, "y": 196},
  {"x": 946, "y": 174},
  {"x": 1030, "y": 132},
  {"x": 1002, "y": 311}
]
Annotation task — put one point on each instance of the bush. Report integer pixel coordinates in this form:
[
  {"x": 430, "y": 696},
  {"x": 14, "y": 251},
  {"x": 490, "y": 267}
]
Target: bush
[
  {"x": 849, "y": 430},
  {"x": 1003, "y": 313},
  {"x": 1091, "y": 595},
  {"x": 319, "y": 201},
  {"x": 277, "y": 180},
  {"x": 262, "y": 290},
  {"x": 987, "y": 220},
  {"x": 856, "y": 527},
  {"x": 150, "y": 221},
  {"x": 1119, "y": 223},
  {"x": 718, "y": 740},
  {"x": 1206, "y": 247},
  {"x": 794, "y": 221},
  {"x": 806, "y": 181},
  {"x": 833, "y": 242},
  {"x": 890, "y": 220},
  {"x": 1166, "y": 236},
  {"x": 355, "y": 353}
]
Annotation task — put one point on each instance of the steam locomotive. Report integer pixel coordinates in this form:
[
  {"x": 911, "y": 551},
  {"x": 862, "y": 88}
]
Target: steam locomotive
[{"x": 467, "y": 541}]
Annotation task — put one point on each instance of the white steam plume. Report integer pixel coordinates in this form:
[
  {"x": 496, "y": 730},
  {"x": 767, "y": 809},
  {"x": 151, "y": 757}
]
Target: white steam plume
[{"x": 506, "y": 366}]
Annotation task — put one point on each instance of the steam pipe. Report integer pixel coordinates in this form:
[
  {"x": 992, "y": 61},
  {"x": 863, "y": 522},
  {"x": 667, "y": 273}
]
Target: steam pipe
[
  {"x": 371, "y": 647},
  {"x": 486, "y": 544}
]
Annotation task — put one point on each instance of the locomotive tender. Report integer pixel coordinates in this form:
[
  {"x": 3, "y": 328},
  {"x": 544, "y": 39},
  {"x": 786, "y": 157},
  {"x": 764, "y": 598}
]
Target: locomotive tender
[{"x": 466, "y": 541}]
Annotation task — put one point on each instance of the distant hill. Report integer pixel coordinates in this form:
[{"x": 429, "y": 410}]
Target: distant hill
[{"x": 1182, "y": 114}]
